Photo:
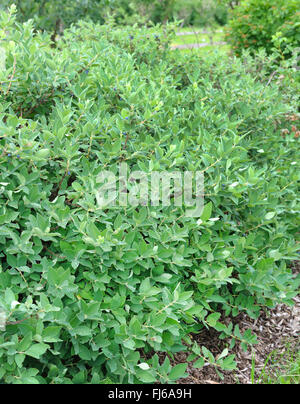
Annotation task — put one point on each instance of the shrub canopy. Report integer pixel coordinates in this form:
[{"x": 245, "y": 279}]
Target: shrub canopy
[
  {"x": 254, "y": 23},
  {"x": 57, "y": 15},
  {"x": 89, "y": 294}
]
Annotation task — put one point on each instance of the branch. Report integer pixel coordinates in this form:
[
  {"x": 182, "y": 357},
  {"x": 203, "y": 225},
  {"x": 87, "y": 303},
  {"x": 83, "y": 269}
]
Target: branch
[
  {"x": 271, "y": 77},
  {"x": 12, "y": 76}
]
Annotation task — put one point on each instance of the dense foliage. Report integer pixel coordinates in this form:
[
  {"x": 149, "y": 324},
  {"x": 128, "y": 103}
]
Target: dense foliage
[
  {"x": 254, "y": 23},
  {"x": 56, "y": 15},
  {"x": 287, "y": 38},
  {"x": 89, "y": 294},
  {"x": 195, "y": 12}
]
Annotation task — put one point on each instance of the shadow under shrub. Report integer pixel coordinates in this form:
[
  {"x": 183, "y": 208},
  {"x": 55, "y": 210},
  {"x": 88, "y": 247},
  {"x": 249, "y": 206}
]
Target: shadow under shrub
[{"x": 89, "y": 293}]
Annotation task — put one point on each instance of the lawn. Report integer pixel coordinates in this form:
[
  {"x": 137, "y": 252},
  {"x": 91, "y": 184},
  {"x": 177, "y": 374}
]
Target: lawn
[
  {"x": 208, "y": 50},
  {"x": 200, "y": 37}
]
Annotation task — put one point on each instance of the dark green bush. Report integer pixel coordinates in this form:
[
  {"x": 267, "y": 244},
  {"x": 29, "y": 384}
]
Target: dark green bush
[
  {"x": 90, "y": 294},
  {"x": 190, "y": 12},
  {"x": 221, "y": 14},
  {"x": 254, "y": 23},
  {"x": 287, "y": 38},
  {"x": 55, "y": 15}
]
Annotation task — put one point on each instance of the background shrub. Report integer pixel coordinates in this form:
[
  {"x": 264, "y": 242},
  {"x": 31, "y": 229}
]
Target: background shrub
[
  {"x": 287, "y": 38},
  {"x": 253, "y": 24},
  {"x": 55, "y": 15},
  {"x": 90, "y": 295}
]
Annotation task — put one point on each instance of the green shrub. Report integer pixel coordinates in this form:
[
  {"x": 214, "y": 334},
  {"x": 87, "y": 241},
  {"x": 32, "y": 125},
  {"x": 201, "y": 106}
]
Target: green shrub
[
  {"x": 287, "y": 38},
  {"x": 221, "y": 14},
  {"x": 254, "y": 23},
  {"x": 54, "y": 15},
  {"x": 276, "y": 69},
  {"x": 199, "y": 13},
  {"x": 91, "y": 295}
]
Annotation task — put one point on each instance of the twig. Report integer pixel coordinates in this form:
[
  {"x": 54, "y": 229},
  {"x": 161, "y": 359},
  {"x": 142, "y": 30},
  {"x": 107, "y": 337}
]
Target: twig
[
  {"x": 126, "y": 140},
  {"x": 271, "y": 78},
  {"x": 53, "y": 254},
  {"x": 12, "y": 76},
  {"x": 63, "y": 177},
  {"x": 42, "y": 101},
  {"x": 89, "y": 64},
  {"x": 22, "y": 276},
  {"x": 17, "y": 322}
]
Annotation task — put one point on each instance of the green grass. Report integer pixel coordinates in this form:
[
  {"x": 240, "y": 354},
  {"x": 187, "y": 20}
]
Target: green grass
[
  {"x": 198, "y": 38},
  {"x": 222, "y": 50},
  {"x": 197, "y": 29},
  {"x": 281, "y": 368}
]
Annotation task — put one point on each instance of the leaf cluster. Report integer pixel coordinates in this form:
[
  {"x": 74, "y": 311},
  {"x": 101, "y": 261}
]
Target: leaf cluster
[{"x": 90, "y": 295}]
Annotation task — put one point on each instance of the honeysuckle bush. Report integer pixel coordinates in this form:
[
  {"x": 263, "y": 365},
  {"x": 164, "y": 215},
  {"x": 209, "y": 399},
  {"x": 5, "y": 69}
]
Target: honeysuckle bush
[
  {"x": 266, "y": 24},
  {"x": 91, "y": 295}
]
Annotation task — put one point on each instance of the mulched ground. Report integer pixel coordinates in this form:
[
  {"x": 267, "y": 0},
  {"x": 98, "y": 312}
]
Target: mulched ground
[{"x": 275, "y": 330}]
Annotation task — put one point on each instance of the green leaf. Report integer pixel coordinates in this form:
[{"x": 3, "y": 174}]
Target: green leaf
[
  {"x": 270, "y": 215},
  {"x": 84, "y": 353},
  {"x": 199, "y": 363},
  {"x": 212, "y": 319},
  {"x": 37, "y": 350},
  {"x": 178, "y": 371},
  {"x": 145, "y": 376},
  {"x": 143, "y": 366},
  {"x": 207, "y": 210},
  {"x": 42, "y": 154},
  {"x": 51, "y": 334},
  {"x": 19, "y": 359}
]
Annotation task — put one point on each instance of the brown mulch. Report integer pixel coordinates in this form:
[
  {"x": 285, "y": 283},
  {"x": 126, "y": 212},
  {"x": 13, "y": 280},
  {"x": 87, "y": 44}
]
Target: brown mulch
[{"x": 275, "y": 329}]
